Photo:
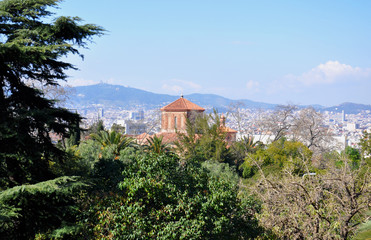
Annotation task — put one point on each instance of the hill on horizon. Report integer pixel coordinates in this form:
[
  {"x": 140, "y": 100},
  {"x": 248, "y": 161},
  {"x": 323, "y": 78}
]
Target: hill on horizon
[
  {"x": 349, "y": 108},
  {"x": 110, "y": 95},
  {"x": 127, "y": 97}
]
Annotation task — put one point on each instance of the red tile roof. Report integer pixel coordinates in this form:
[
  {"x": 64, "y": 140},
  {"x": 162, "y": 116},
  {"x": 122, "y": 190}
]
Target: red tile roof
[
  {"x": 167, "y": 138},
  {"x": 227, "y": 129},
  {"x": 182, "y": 104},
  {"x": 142, "y": 138}
]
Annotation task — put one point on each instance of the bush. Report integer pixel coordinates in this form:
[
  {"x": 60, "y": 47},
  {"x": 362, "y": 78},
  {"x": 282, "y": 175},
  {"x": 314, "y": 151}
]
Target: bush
[{"x": 163, "y": 199}]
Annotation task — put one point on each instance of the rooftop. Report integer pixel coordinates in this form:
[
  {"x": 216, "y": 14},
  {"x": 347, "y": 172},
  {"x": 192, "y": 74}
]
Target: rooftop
[{"x": 182, "y": 104}]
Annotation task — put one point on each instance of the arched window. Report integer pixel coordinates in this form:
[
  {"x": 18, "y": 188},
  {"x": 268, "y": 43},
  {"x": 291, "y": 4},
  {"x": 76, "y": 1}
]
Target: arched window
[{"x": 175, "y": 122}]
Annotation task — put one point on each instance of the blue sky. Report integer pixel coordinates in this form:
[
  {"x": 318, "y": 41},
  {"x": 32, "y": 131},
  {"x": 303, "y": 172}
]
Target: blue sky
[{"x": 300, "y": 52}]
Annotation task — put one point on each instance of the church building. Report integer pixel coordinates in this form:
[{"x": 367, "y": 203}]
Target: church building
[
  {"x": 174, "y": 120},
  {"x": 174, "y": 116}
]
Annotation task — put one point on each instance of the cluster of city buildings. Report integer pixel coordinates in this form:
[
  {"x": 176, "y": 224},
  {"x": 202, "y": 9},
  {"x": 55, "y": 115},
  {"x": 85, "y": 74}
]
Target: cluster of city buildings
[{"x": 347, "y": 129}]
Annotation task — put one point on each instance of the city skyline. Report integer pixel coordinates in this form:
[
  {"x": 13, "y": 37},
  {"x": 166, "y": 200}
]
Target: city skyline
[{"x": 269, "y": 51}]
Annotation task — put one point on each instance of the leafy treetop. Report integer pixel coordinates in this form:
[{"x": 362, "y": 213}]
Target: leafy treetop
[{"x": 31, "y": 48}]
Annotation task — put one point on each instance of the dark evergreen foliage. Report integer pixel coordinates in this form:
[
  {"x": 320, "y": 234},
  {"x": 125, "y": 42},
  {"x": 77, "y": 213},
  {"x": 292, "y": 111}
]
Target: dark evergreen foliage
[
  {"x": 30, "y": 50},
  {"x": 29, "y": 209}
]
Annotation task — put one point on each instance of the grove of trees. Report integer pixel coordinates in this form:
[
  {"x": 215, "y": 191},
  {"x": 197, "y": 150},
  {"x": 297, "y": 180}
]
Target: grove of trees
[{"x": 100, "y": 184}]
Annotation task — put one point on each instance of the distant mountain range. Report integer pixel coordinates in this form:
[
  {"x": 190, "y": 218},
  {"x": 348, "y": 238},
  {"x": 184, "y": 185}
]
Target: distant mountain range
[
  {"x": 109, "y": 95},
  {"x": 350, "y": 108}
]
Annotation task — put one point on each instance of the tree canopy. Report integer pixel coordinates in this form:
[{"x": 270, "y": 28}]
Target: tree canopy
[
  {"x": 31, "y": 49},
  {"x": 163, "y": 198},
  {"x": 32, "y": 46},
  {"x": 107, "y": 187}
]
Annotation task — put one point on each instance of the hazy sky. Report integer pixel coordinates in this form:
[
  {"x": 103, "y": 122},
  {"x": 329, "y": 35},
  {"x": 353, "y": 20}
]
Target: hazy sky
[{"x": 301, "y": 52}]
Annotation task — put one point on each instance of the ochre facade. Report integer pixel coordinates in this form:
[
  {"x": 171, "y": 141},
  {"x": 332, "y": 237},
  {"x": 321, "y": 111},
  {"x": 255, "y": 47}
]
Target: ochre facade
[
  {"x": 174, "y": 116},
  {"x": 173, "y": 121}
]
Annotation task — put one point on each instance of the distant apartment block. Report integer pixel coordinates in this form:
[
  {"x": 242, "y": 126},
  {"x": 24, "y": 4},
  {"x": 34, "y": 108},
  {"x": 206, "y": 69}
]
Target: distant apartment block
[
  {"x": 100, "y": 113},
  {"x": 134, "y": 128},
  {"x": 137, "y": 115},
  {"x": 352, "y": 126}
]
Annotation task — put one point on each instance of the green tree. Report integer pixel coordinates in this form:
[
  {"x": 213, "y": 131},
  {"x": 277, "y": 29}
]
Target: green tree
[
  {"x": 277, "y": 156},
  {"x": 354, "y": 155},
  {"x": 47, "y": 207},
  {"x": 31, "y": 48},
  {"x": 161, "y": 198},
  {"x": 365, "y": 144},
  {"x": 112, "y": 140},
  {"x": 204, "y": 139},
  {"x": 156, "y": 145},
  {"x": 241, "y": 149}
]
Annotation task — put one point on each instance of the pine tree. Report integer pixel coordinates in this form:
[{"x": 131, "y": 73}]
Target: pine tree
[{"x": 31, "y": 48}]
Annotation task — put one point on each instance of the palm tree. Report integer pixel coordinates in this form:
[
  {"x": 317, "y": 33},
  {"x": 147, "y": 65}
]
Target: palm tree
[
  {"x": 248, "y": 143},
  {"x": 242, "y": 148},
  {"x": 112, "y": 139},
  {"x": 156, "y": 145}
]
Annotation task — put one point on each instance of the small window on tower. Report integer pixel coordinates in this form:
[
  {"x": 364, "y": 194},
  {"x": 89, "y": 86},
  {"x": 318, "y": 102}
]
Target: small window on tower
[{"x": 175, "y": 122}]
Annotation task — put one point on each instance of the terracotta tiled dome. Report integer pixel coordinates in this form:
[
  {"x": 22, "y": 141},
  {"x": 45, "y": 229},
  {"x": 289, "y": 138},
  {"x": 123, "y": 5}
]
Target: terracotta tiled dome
[{"x": 182, "y": 105}]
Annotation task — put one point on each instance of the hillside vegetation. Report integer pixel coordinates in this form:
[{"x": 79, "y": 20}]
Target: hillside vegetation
[{"x": 101, "y": 184}]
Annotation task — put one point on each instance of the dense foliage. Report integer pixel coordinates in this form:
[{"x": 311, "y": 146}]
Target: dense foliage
[
  {"x": 277, "y": 156},
  {"x": 31, "y": 48},
  {"x": 104, "y": 186},
  {"x": 204, "y": 139},
  {"x": 163, "y": 199},
  {"x": 32, "y": 45},
  {"x": 30, "y": 209}
]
